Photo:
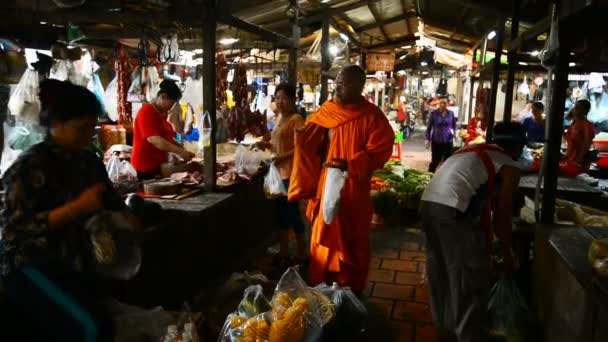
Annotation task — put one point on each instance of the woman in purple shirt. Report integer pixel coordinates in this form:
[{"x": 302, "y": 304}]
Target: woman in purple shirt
[{"x": 439, "y": 134}]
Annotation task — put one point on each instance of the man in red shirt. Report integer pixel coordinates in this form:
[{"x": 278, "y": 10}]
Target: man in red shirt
[
  {"x": 153, "y": 136},
  {"x": 579, "y": 138}
]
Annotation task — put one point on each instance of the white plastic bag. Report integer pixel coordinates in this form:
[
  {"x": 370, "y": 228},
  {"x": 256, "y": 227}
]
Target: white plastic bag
[
  {"x": 95, "y": 86},
  {"x": 110, "y": 100},
  {"x": 273, "y": 184},
  {"x": 24, "y": 102},
  {"x": 334, "y": 182},
  {"x": 153, "y": 83},
  {"x": 113, "y": 168},
  {"x": 9, "y": 155},
  {"x": 60, "y": 71}
]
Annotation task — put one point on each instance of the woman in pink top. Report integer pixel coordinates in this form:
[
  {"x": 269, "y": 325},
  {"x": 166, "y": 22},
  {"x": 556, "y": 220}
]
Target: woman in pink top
[{"x": 579, "y": 138}]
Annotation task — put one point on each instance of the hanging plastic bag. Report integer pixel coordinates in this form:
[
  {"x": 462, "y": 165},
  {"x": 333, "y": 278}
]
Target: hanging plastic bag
[
  {"x": 114, "y": 253},
  {"x": 110, "y": 100},
  {"x": 351, "y": 315},
  {"x": 204, "y": 130},
  {"x": 25, "y": 135},
  {"x": 96, "y": 88},
  {"x": 334, "y": 182},
  {"x": 152, "y": 83},
  {"x": 508, "y": 312},
  {"x": 273, "y": 183},
  {"x": 136, "y": 90},
  {"x": 24, "y": 102},
  {"x": 60, "y": 71},
  {"x": 9, "y": 155}
]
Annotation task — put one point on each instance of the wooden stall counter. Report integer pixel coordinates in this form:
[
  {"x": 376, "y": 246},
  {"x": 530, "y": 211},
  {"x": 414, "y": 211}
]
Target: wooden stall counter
[
  {"x": 570, "y": 301},
  {"x": 197, "y": 240},
  {"x": 571, "y": 189}
]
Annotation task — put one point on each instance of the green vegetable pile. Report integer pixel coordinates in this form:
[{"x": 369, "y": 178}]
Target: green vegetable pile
[{"x": 403, "y": 189}]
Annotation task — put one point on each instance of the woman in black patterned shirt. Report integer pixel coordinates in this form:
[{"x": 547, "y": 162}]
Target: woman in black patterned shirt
[{"x": 48, "y": 195}]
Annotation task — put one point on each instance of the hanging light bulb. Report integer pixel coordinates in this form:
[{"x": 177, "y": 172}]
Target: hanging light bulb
[{"x": 333, "y": 50}]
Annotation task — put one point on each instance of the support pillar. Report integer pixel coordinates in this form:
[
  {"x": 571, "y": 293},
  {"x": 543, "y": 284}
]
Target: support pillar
[
  {"x": 325, "y": 60},
  {"x": 500, "y": 37},
  {"x": 208, "y": 34},
  {"x": 512, "y": 62}
]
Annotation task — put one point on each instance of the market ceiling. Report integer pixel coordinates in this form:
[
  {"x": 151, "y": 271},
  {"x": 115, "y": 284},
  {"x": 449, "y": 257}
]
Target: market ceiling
[{"x": 373, "y": 25}]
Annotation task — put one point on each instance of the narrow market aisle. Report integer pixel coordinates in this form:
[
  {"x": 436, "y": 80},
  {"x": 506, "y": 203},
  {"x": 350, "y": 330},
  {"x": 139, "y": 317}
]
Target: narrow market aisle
[
  {"x": 414, "y": 153},
  {"x": 396, "y": 296}
]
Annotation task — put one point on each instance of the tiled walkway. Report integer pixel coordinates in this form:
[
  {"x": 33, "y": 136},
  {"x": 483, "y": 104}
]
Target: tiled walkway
[{"x": 396, "y": 296}]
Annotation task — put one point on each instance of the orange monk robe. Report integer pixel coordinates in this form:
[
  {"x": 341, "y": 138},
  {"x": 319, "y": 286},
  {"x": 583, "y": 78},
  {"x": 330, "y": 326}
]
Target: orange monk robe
[{"x": 362, "y": 136}]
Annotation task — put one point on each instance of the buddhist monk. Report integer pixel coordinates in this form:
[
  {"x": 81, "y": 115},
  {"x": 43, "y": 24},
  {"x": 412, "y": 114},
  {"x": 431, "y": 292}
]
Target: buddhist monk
[{"x": 353, "y": 135}]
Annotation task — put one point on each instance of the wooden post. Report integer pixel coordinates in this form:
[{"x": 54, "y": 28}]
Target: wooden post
[
  {"x": 555, "y": 128},
  {"x": 472, "y": 90},
  {"x": 512, "y": 62},
  {"x": 293, "y": 51},
  {"x": 325, "y": 60},
  {"x": 208, "y": 34},
  {"x": 500, "y": 37}
]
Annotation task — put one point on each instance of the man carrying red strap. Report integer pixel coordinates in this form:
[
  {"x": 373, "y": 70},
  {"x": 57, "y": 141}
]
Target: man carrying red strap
[{"x": 473, "y": 188}]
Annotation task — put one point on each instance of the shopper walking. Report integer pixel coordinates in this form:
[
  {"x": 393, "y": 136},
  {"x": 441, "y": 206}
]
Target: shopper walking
[
  {"x": 440, "y": 134},
  {"x": 457, "y": 211},
  {"x": 353, "y": 135}
]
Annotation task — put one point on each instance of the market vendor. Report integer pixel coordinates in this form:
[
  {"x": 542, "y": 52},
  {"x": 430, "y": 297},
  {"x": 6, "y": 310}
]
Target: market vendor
[
  {"x": 476, "y": 130},
  {"x": 579, "y": 138},
  {"x": 535, "y": 125},
  {"x": 153, "y": 136},
  {"x": 472, "y": 187},
  {"x": 48, "y": 195}
]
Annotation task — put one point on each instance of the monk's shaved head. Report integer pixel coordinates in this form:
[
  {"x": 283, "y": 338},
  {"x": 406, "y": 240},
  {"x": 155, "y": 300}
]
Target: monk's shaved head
[
  {"x": 350, "y": 83},
  {"x": 357, "y": 73}
]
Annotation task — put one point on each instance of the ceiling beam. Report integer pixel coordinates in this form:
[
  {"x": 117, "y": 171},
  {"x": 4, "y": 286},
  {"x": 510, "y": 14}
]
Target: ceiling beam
[
  {"x": 377, "y": 23},
  {"x": 539, "y": 28},
  {"x": 405, "y": 13},
  {"x": 279, "y": 39},
  {"x": 331, "y": 11},
  {"x": 347, "y": 20},
  {"x": 485, "y": 9},
  {"x": 403, "y": 40},
  {"x": 374, "y": 10},
  {"x": 351, "y": 38}
]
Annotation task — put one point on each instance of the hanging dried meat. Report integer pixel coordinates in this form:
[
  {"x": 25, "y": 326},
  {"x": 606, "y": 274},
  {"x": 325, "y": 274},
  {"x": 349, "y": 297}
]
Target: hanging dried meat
[
  {"x": 123, "y": 82},
  {"x": 221, "y": 81},
  {"x": 239, "y": 85},
  {"x": 242, "y": 121}
]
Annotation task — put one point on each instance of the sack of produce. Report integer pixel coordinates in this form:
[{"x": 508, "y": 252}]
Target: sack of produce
[
  {"x": 114, "y": 253},
  {"x": 508, "y": 313},
  {"x": 297, "y": 313},
  {"x": 24, "y": 102},
  {"x": 334, "y": 182},
  {"x": 273, "y": 184},
  {"x": 351, "y": 314}
]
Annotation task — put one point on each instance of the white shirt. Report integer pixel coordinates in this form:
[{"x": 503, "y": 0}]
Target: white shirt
[{"x": 459, "y": 178}]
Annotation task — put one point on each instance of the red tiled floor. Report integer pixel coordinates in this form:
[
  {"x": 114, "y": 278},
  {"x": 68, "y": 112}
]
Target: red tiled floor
[
  {"x": 421, "y": 294},
  {"x": 400, "y": 265},
  {"x": 390, "y": 253},
  {"x": 383, "y": 307},
  {"x": 411, "y": 255},
  {"x": 375, "y": 263},
  {"x": 402, "y": 332},
  {"x": 426, "y": 333},
  {"x": 398, "y": 292},
  {"x": 382, "y": 276},
  {"x": 408, "y": 278},
  {"x": 410, "y": 246},
  {"x": 412, "y": 312}
]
